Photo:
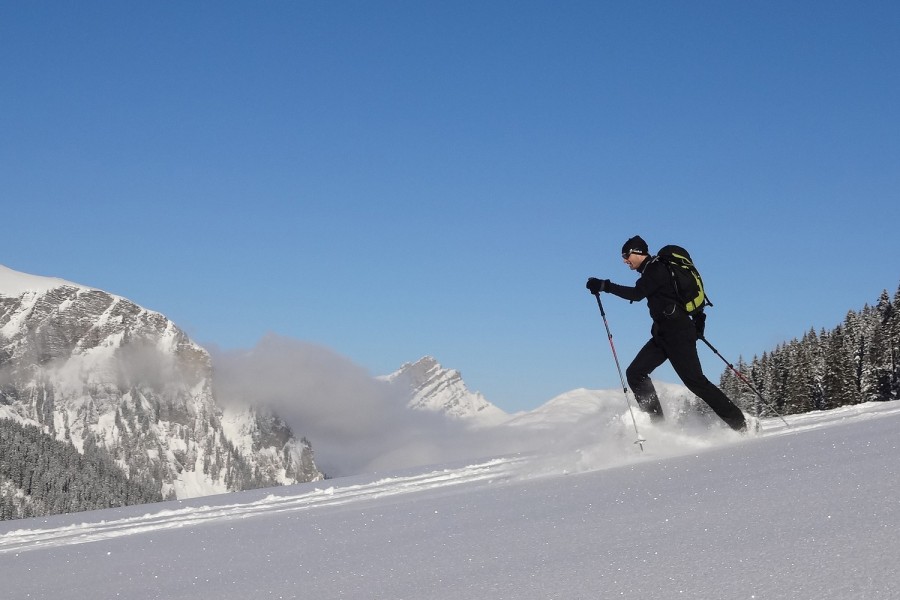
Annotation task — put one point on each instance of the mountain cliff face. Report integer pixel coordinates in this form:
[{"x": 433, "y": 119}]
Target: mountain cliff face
[
  {"x": 437, "y": 389},
  {"x": 91, "y": 367}
]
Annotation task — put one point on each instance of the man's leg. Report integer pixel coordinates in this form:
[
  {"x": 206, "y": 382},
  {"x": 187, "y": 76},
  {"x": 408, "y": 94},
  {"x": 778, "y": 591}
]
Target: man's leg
[
  {"x": 638, "y": 376},
  {"x": 684, "y": 359}
]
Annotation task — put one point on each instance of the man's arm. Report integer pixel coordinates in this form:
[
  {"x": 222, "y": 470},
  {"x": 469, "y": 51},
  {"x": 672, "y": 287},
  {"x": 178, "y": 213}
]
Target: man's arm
[
  {"x": 623, "y": 291},
  {"x": 646, "y": 285}
]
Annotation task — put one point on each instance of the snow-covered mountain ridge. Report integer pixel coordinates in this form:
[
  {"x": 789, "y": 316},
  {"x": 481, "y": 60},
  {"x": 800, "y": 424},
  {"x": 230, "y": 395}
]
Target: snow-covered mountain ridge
[
  {"x": 83, "y": 363},
  {"x": 434, "y": 388},
  {"x": 437, "y": 389},
  {"x": 14, "y": 283}
]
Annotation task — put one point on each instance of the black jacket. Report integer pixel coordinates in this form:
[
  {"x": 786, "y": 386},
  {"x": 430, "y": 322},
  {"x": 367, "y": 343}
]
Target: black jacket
[{"x": 654, "y": 284}]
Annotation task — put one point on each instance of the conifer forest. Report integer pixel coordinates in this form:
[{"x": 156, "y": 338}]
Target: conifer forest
[
  {"x": 40, "y": 475},
  {"x": 855, "y": 362}
]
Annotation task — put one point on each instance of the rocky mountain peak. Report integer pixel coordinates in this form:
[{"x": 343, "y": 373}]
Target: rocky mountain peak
[
  {"x": 434, "y": 388},
  {"x": 89, "y": 366}
]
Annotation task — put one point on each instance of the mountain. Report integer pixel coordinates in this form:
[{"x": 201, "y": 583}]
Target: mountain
[
  {"x": 568, "y": 408},
  {"x": 90, "y": 367},
  {"x": 576, "y": 405},
  {"x": 434, "y": 388}
]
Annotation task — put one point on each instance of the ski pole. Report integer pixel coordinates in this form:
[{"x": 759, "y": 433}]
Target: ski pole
[
  {"x": 745, "y": 380},
  {"x": 639, "y": 441}
]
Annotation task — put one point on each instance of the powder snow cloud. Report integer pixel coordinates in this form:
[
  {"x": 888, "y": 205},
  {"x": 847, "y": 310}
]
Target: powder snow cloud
[{"x": 356, "y": 422}]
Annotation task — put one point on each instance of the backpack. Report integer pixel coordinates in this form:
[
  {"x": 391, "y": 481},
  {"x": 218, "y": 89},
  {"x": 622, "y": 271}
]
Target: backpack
[{"x": 685, "y": 278}]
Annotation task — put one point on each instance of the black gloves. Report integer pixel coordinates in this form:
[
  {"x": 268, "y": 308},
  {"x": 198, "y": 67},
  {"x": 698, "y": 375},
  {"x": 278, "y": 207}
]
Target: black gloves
[
  {"x": 699, "y": 324},
  {"x": 597, "y": 285}
]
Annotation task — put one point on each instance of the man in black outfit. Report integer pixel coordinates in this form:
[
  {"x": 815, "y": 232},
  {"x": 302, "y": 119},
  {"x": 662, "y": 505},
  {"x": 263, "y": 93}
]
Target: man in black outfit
[{"x": 674, "y": 336}]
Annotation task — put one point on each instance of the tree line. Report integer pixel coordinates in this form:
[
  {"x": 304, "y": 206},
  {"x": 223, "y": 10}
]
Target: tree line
[
  {"x": 855, "y": 362},
  {"x": 41, "y": 476}
]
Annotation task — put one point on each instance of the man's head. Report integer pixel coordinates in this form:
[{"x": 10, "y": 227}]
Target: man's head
[{"x": 634, "y": 251}]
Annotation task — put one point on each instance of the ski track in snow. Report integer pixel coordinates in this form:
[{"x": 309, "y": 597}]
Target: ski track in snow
[
  {"x": 494, "y": 470},
  {"x": 32, "y": 539}
]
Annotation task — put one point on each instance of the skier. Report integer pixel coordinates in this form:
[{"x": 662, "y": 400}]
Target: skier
[{"x": 674, "y": 336}]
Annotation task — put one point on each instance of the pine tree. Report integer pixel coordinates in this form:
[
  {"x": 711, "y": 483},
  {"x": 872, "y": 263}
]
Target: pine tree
[
  {"x": 838, "y": 381},
  {"x": 893, "y": 327},
  {"x": 816, "y": 355},
  {"x": 874, "y": 351},
  {"x": 853, "y": 355}
]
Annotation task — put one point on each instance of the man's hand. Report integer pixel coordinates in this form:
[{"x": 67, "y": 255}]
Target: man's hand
[
  {"x": 699, "y": 324},
  {"x": 596, "y": 285}
]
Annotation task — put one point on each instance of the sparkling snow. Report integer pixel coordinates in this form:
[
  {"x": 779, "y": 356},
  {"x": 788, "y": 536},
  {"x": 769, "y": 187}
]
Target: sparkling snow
[{"x": 803, "y": 512}]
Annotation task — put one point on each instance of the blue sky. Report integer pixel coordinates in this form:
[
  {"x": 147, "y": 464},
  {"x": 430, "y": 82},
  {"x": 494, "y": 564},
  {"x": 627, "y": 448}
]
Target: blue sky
[{"x": 395, "y": 179}]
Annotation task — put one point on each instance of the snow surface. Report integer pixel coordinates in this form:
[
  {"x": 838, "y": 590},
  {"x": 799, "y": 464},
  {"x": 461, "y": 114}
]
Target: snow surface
[
  {"x": 803, "y": 512},
  {"x": 14, "y": 284}
]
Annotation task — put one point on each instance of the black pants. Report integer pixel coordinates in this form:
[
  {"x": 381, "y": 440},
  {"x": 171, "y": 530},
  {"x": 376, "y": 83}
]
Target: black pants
[{"x": 676, "y": 342}]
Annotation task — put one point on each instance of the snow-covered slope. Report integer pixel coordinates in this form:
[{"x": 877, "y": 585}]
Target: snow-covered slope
[
  {"x": 82, "y": 363},
  {"x": 800, "y": 513},
  {"x": 13, "y": 283}
]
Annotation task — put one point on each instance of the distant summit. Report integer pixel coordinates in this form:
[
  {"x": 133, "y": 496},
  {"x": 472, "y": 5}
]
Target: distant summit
[
  {"x": 441, "y": 390},
  {"x": 436, "y": 389}
]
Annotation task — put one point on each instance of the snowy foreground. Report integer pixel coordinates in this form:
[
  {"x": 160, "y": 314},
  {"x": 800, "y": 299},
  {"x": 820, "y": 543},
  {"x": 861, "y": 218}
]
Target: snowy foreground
[{"x": 809, "y": 511}]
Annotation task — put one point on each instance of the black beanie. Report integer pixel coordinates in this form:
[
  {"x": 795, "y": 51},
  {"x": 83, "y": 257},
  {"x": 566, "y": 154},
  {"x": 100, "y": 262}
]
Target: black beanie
[{"x": 635, "y": 245}]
